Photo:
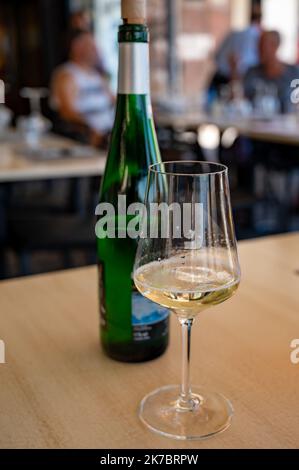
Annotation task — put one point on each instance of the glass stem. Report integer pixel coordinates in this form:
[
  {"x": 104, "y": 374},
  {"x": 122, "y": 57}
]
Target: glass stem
[{"x": 185, "y": 401}]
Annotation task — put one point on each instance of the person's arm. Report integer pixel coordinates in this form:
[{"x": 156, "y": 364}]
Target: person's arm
[
  {"x": 108, "y": 90},
  {"x": 224, "y": 48},
  {"x": 233, "y": 61},
  {"x": 65, "y": 93}
]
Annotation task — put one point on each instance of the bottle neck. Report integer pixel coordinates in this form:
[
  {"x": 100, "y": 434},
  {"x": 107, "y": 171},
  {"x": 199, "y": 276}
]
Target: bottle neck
[{"x": 133, "y": 73}]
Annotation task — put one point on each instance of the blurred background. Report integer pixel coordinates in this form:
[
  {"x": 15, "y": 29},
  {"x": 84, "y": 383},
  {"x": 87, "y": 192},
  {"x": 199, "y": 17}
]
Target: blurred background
[{"x": 224, "y": 80}]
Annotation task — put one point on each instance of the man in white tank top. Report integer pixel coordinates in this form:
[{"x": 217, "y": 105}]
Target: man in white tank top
[{"x": 80, "y": 94}]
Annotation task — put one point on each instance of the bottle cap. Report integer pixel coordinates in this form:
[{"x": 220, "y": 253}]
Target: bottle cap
[{"x": 133, "y": 11}]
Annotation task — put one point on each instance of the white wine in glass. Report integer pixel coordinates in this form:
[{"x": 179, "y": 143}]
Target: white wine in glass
[
  {"x": 188, "y": 267},
  {"x": 181, "y": 283}
]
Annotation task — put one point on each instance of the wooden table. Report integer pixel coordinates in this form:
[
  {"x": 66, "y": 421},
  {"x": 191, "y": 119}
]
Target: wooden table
[
  {"x": 59, "y": 391},
  {"x": 16, "y": 166},
  {"x": 282, "y": 129}
]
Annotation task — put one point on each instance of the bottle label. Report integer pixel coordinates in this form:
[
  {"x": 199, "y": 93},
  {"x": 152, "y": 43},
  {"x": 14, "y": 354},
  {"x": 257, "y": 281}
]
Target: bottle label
[
  {"x": 133, "y": 75},
  {"x": 149, "y": 320}
]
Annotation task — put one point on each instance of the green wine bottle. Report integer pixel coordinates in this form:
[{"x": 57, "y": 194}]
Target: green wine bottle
[{"x": 133, "y": 329}]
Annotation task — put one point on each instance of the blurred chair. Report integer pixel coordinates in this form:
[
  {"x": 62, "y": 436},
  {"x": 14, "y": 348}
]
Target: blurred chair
[
  {"x": 61, "y": 233},
  {"x": 176, "y": 144},
  {"x": 64, "y": 228}
]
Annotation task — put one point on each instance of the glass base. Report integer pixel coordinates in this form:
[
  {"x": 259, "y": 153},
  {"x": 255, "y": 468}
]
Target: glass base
[{"x": 208, "y": 413}]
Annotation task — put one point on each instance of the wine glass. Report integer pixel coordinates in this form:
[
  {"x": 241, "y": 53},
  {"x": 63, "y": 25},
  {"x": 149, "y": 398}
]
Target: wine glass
[
  {"x": 34, "y": 126},
  {"x": 187, "y": 261},
  {"x": 34, "y": 96}
]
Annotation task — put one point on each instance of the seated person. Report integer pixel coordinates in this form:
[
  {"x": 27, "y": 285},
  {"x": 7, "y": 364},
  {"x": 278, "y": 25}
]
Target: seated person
[
  {"x": 80, "y": 93},
  {"x": 80, "y": 20},
  {"x": 271, "y": 71},
  {"x": 236, "y": 54}
]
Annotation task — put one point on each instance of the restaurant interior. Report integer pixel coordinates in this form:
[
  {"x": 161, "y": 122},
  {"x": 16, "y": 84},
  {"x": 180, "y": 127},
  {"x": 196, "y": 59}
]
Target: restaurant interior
[
  {"x": 209, "y": 104},
  {"x": 85, "y": 319}
]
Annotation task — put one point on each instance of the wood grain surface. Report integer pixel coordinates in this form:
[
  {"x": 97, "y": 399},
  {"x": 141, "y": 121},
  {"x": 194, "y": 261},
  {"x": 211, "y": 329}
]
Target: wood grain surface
[{"x": 57, "y": 389}]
